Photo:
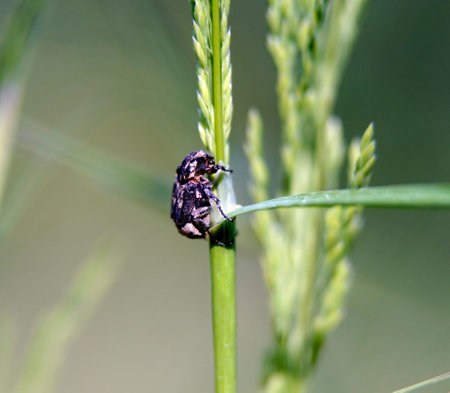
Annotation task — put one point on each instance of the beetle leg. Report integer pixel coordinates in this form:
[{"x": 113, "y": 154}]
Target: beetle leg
[
  {"x": 211, "y": 195},
  {"x": 201, "y": 225},
  {"x": 201, "y": 212}
]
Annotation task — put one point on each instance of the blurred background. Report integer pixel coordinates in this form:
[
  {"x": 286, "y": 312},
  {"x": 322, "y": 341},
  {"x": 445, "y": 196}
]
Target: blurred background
[{"x": 119, "y": 78}]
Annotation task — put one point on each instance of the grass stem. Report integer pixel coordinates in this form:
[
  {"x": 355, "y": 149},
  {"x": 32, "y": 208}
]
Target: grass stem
[
  {"x": 223, "y": 290},
  {"x": 222, "y": 258}
]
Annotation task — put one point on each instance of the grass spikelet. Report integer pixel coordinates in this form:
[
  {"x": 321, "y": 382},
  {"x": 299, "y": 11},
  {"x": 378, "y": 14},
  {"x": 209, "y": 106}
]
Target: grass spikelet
[
  {"x": 202, "y": 41},
  {"x": 342, "y": 224},
  {"x": 306, "y": 271},
  {"x": 214, "y": 80},
  {"x": 254, "y": 151}
]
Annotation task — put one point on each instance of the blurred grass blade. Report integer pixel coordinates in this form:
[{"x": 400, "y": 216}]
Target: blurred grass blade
[
  {"x": 16, "y": 38},
  {"x": 58, "y": 328},
  {"x": 422, "y": 384},
  {"x": 120, "y": 176},
  {"x": 8, "y": 341},
  {"x": 15, "y": 52},
  {"x": 10, "y": 100},
  {"x": 399, "y": 196}
]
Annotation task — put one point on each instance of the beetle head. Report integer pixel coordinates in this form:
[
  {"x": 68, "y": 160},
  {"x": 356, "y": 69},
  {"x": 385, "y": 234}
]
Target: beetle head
[{"x": 194, "y": 165}]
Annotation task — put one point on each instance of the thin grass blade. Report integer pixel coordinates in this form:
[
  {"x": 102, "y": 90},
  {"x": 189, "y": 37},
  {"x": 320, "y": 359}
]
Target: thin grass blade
[
  {"x": 122, "y": 177},
  {"x": 427, "y": 382},
  {"x": 411, "y": 196}
]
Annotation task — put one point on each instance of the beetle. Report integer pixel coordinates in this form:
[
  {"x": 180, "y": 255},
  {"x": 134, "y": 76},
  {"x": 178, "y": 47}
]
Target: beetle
[{"x": 192, "y": 195}]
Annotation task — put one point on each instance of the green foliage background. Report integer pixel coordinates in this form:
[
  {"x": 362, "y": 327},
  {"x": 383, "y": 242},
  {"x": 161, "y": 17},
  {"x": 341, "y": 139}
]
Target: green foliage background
[{"x": 119, "y": 77}]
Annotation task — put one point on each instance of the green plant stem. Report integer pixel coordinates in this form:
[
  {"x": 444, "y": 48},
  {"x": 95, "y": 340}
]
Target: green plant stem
[
  {"x": 222, "y": 259},
  {"x": 217, "y": 82},
  {"x": 223, "y": 291}
]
